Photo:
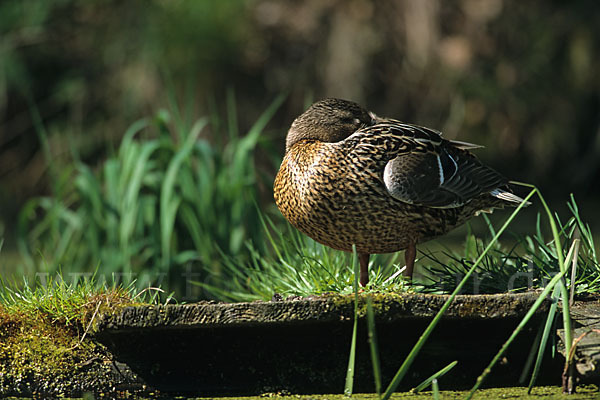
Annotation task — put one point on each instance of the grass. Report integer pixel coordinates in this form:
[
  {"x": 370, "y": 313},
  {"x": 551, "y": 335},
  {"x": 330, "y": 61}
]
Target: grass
[
  {"x": 527, "y": 264},
  {"x": 352, "y": 357},
  {"x": 295, "y": 265},
  {"x": 176, "y": 194},
  {"x": 71, "y": 304}
]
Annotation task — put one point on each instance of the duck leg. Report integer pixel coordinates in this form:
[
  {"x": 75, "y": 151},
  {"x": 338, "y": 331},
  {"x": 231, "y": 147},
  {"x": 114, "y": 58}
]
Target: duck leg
[
  {"x": 409, "y": 255},
  {"x": 363, "y": 259}
]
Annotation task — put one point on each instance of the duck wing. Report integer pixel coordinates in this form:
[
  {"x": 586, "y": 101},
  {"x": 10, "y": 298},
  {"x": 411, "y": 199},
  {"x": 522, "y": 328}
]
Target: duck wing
[{"x": 432, "y": 171}]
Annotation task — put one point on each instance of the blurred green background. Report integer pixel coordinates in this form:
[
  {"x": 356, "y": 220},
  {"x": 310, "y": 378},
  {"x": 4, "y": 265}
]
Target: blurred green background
[{"x": 520, "y": 78}]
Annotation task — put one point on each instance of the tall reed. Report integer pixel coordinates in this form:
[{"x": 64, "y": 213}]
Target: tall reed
[{"x": 169, "y": 201}]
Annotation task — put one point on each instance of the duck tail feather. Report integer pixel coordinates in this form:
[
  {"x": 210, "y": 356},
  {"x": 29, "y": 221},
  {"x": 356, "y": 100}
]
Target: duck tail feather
[
  {"x": 466, "y": 145},
  {"x": 508, "y": 196}
]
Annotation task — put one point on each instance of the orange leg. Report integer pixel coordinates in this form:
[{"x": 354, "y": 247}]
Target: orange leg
[
  {"x": 363, "y": 259},
  {"x": 409, "y": 255}
]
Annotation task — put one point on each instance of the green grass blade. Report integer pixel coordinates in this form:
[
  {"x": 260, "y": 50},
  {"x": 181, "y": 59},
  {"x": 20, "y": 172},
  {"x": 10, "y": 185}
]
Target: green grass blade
[
  {"x": 423, "y": 385},
  {"x": 169, "y": 202},
  {"x": 436, "y": 390},
  {"x": 417, "y": 347},
  {"x": 373, "y": 346},
  {"x": 532, "y": 353},
  {"x": 351, "y": 361},
  {"x": 584, "y": 228},
  {"x": 521, "y": 325},
  {"x": 563, "y": 268},
  {"x": 566, "y": 313},
  {"x": 545, "y": 335},
  {"x": 352, "y": 358},
  {"x": 127, "y": 139},
  {"x": 130, "y": 202}
]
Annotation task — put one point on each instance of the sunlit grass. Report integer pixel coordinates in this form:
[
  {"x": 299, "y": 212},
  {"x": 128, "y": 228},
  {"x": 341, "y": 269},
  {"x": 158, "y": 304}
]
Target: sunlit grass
[
  {"x": 295, "y": 265},
  {"x": 529, "y": 263},
  {"x": 72, "y": 303}
]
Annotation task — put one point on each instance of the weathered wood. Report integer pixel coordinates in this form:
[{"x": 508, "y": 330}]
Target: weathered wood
[
  {"x": 302, "y": 345},
  {"x": 325, "y": 308},
  {"x": 586, "y": 324}
]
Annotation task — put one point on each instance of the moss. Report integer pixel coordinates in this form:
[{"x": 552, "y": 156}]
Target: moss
[
  {"x": 34, "y": 349},
  {"x": 42, "y": 352},
  {"x": 382, "y": 302}
]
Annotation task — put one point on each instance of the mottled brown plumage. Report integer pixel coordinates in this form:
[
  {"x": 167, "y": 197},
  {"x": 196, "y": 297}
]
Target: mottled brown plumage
[{"x": 349, "y": 177}]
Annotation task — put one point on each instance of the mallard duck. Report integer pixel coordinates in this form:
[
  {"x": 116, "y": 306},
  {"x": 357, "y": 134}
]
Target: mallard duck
[{"x": 349, "y": 177}]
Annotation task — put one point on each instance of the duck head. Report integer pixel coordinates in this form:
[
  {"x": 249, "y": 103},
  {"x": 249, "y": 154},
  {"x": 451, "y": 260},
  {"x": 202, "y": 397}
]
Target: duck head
[{"x": 329, "y": 120}]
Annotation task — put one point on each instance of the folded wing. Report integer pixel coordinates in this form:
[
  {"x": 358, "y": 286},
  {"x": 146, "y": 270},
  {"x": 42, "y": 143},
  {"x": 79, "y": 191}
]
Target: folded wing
[{"x": 438, "y": 173}]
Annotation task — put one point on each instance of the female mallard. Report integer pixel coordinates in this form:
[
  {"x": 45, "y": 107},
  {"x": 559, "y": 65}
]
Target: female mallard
[{"x": 349, "y": 177}]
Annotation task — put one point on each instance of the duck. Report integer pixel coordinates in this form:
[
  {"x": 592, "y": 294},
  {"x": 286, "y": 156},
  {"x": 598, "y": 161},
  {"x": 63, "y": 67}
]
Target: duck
[{"x": 351, "y": 178}]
